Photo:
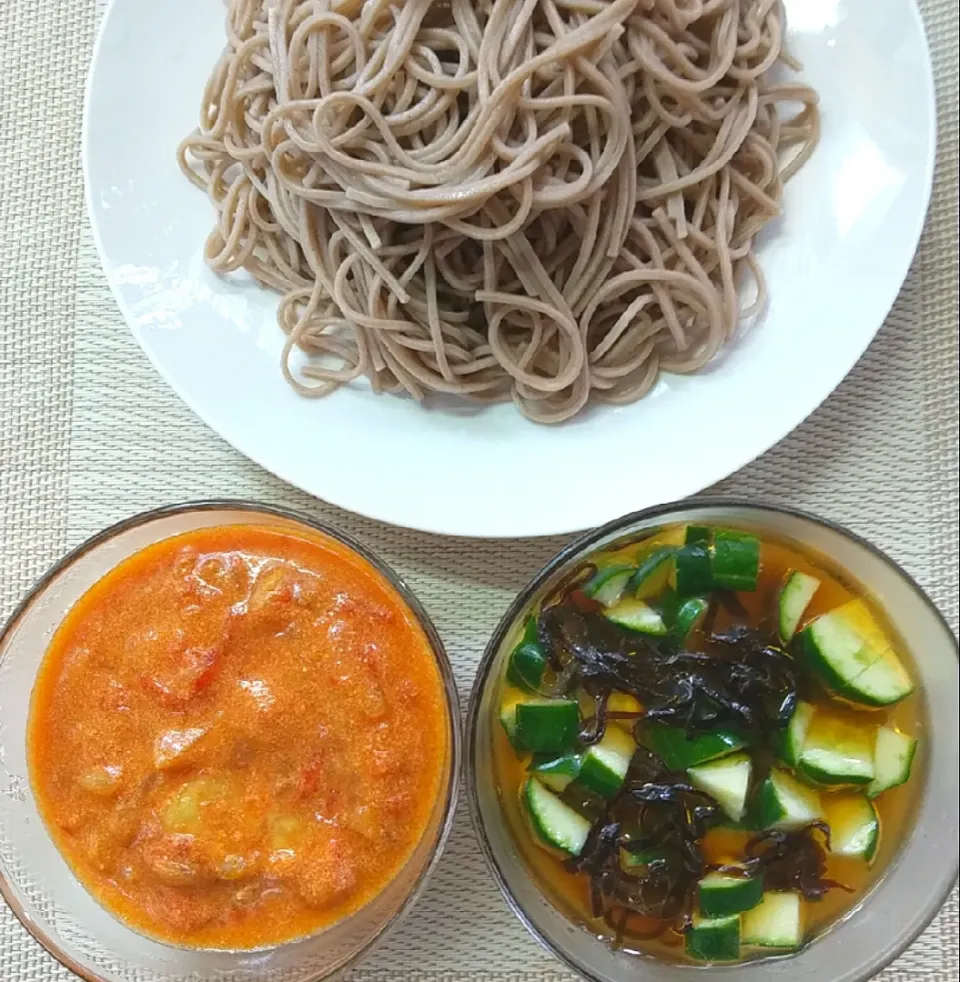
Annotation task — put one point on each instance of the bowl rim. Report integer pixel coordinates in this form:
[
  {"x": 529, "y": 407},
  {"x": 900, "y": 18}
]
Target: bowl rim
[
  {"x": 407, "y": 596},
  {"x": 582, "y": 544}
]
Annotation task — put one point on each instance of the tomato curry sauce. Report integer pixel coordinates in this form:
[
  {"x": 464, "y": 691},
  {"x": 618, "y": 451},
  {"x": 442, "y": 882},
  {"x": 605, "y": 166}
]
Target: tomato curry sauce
[{"x": 238, "y": 736}]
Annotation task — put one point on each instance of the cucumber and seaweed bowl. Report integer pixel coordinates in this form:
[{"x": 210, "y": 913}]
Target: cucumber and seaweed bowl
[{"x": 719, "y": 734}]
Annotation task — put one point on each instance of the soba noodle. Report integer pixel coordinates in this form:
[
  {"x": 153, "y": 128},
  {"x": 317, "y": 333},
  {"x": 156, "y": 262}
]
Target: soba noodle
[{"x": 543, "y": 200}]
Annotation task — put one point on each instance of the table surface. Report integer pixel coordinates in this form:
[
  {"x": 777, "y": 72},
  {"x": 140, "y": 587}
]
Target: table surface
[{"x": 89, "y": 434}]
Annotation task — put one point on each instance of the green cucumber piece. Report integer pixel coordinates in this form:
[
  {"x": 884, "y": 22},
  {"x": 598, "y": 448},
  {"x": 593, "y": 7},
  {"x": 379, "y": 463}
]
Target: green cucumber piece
[
  {"x": 795, "y": 596},
  {"x": 721, "y": 894},
  {"x": 694, "y": 570},
  {"x": 557, "y": 773},
  {"x": 726, "y": 780},
  {"x": 776, "y": 922},
  {"x": 784, "y": 803},
  {"x": 736, "y": 560},
  {"x": 714, "y": 939},
  {"x": 856, "y": 615},
  {"x": 637, "y": 616},
  {"x": 697, "y": 533},
  {"x": 851, "y": 656},
  {"x": 608, "y": 583},
  {"x": 668, "y": 603},
  {"x": 688, "y": 617},
  {"x": 554, "y": 823},
  {"x": 836, "y": 751},
  {"x": 671, "y": 745},
  {"x": 893, "y": 755},
  {"x": 527, "y": 661},
  {"x": 508, "y": 720},
  {"x": 604, "y": 765},
  {"x": 795, "y": 734},
  {"x": 835, "y": 652},
  {"x": 653, "y": 573},
  {"x": 547, "y": 725},
  {"x": 884, "y": 683},
  {"x": 854, "y": 826}
]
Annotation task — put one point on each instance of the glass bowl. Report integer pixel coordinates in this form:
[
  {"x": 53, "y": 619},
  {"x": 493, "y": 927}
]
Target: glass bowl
[
  {"x": 917, "y": 880},
  {"x": 34, "y": 879}
]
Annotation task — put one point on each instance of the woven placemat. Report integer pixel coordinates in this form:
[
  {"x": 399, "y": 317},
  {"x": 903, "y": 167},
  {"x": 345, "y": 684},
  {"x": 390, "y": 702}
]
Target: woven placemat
[{"x": 89, "y": 434}]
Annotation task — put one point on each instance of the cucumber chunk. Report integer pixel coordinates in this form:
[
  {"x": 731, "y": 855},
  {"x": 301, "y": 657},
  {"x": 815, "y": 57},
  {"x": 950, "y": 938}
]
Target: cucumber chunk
[
  {"x": 697, "y": 533},
  {"x": 714, "y": 939},
  {"x": 508, "y": 719},
  {"x": 856, "y": 614},
  {"x": 893, "y": 755},
  {"x": 784, "y": 803},
  {"x": 637, "y": 616},
  {"x": 721, "y": 894},
  {"x": 557, "y": 773},
  {"x": 836, "y": 751},
  {"x": 694, "y": 569},
  {"x": 795, "y": 596},
  {"x": 605, "y": 764},
  {"x": 795, "y": 734},
  {"x": 527, "y": 661},
  {"x": 688, "y": 617},
  {"x": 608, "y": 583},
  {"x": 851, "y": 656},
  {"x": 836, "y": 651},
  {"x": 547, "y": 725},
  {"x": 777, "y": 922},
  {"x": 671, "y": 745},
  {"x": 884, "y": 683},
  {"x": 854, "y": 826},
  {"x": 727, "y": 780},
  {"x": 736, "y": 560},
  {"x": 653, "y": 573},
  {"x": 555, "y": 823}
]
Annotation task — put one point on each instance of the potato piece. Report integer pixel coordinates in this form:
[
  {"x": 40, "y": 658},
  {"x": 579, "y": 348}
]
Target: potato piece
[
  {"x": 184, "y": 811},
  {"x": 103, "y": 780},
  {"x": 286, "y": 832}
]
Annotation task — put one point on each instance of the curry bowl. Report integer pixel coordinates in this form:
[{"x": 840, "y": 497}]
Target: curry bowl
[
  {"x": 719, "y": 737},
  {"x": 229, "y": 747}
]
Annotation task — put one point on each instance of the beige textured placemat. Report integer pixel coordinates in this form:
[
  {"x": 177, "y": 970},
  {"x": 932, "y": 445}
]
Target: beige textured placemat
[{"x": 89, "y": 433}]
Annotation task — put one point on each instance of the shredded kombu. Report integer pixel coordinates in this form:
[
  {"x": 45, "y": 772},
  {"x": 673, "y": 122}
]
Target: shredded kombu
[
  {"x": 740, "y": 679},
  {"x": 790, "y": 860}
]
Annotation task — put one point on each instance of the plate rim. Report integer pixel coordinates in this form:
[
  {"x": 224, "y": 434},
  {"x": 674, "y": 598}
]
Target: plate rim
[{"x": 507, "y": 531}]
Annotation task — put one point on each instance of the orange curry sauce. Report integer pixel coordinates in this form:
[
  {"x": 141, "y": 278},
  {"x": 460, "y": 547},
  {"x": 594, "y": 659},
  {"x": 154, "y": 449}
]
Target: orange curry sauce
[{"x": 238, "y": 736}]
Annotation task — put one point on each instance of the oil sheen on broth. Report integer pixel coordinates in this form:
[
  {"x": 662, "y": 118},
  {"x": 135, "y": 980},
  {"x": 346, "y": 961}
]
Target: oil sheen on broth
[
  {"x": 238, "y": 736},
  {"x": 822, "y": 764}
]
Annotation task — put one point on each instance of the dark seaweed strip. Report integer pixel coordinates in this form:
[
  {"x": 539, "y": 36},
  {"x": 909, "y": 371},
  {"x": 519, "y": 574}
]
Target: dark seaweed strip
[
  {"x": 745, "y": 681},
  {"x": 742, "y": 680},
  {"x": 656, "y": 810},
  {"x": 789, "y": 860}
]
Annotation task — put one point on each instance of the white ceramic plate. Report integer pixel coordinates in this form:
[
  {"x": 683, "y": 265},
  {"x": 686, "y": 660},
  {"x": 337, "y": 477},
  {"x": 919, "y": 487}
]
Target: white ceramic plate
[{"x": 835, "y": 263}]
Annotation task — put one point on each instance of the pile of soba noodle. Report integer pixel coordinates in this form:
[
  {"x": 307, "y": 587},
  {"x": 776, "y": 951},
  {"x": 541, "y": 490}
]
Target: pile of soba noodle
[{"x": 543, "y": 200}]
